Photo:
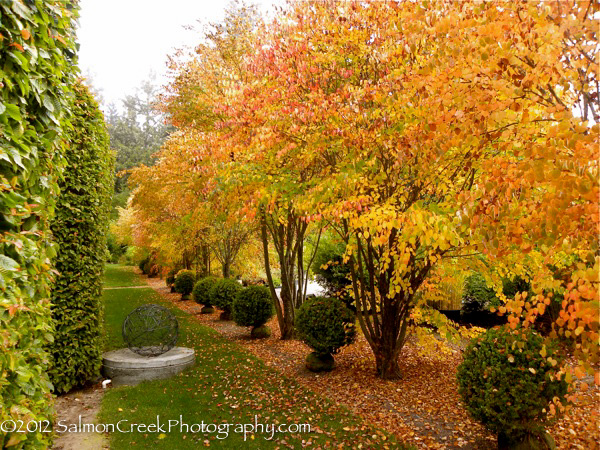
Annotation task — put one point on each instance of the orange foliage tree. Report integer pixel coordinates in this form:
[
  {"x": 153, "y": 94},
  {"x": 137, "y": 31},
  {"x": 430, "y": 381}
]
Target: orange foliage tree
[
  {"x": 421, "y": 127},
  {"x": 420, "y": 132}
]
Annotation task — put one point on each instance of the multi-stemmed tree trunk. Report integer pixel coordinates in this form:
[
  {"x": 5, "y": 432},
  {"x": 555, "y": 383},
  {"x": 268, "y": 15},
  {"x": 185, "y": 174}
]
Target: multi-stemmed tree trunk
[
  {"x": 383, "y": 318},
  {"x": 288, "y": 235},
  {"x": 229, "y": 240}
]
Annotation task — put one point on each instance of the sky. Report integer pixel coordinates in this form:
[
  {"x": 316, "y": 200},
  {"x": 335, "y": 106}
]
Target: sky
[{"x": 123, "y": 41}]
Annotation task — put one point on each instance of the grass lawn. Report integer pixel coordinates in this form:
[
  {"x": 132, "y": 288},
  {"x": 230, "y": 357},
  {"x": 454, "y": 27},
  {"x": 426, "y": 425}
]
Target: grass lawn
[
  {"x": 116, "y": 275},
  {"x": 227, "y": 385}
]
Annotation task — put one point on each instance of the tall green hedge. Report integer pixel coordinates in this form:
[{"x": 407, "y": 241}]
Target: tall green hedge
[
  {"x": 80, "y": 228},
  {"x": 37, "y": 59}
]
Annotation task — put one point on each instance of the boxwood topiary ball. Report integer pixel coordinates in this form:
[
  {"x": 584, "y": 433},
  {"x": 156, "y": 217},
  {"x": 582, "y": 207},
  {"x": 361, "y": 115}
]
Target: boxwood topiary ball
[
  {"x": 170, "y": 279},
  {"x": 184, "y": 283},
  {"x": 320, "y": 363},
  {"x": 202, "y": 289},
  {"x": 325, "y": 324},
  {"x": 223, "y": 292},
  {"x": 507, "y": 382},
  {"x": 252, "y": 307}
]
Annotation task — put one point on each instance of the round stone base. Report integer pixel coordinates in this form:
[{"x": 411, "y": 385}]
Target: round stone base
[{"x": 124, "y": 367}]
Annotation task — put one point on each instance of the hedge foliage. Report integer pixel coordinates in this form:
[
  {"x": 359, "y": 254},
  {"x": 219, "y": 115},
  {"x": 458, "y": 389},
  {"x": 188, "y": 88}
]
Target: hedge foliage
[
  {"x": 325, "y": 324},
  {"x": 143, "y": 265},
  {"x": 223, "y": 292},
  {"x": 202, "y": 289},
  {"x": 37, "y": 60},
  {"x": 506, "y": 383},
  {"x": 252, "y": 306},
  {"x": 170, "y": 279},
  {"x": 184, "y": 282},
  {"x": 80, "y": 228}
]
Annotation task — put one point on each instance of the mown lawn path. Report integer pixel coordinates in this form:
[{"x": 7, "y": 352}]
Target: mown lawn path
[{"x": 227, "y": 385}]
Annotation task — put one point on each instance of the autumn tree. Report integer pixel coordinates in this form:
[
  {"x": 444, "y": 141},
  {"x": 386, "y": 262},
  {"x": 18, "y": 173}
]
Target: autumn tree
[
  {"x": 407, "y": 115},
  {"x": 554, "y": 174},
  {"x": 204, "y": 97}
]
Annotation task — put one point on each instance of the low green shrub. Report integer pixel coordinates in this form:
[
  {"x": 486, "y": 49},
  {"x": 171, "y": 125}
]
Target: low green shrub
[
  {"x": 184, "y": 283},
  {"x": 222, "y": 294},
  {"x": 170, "y": 278},
  {"x": 507, "y": 381},
  {"x": 325, "y": 324},
  {"x": 148, "y": 267},
  {"x": 252, "y": 307},
  {"x": 202, "y": 289},
  {"x": 143, "y": 265}
]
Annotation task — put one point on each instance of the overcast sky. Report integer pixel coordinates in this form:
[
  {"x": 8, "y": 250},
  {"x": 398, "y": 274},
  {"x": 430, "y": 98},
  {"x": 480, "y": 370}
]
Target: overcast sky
[{"x": 122, "y": 41}]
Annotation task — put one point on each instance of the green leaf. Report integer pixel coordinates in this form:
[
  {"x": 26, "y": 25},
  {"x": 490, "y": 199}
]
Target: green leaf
[
  {"x": 8, "y": 264},
  {"x": 13, "y": 111}
]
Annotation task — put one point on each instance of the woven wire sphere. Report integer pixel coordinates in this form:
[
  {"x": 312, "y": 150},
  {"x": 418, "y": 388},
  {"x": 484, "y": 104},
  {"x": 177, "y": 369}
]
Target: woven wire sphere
[{"x": 150, "y": 330}]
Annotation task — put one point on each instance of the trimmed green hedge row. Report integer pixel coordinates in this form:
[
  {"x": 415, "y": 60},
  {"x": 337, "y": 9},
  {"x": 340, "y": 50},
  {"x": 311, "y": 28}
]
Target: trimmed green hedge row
[
  {"x": 80, "y": 228},
  {"x": 37, "y": 60}
]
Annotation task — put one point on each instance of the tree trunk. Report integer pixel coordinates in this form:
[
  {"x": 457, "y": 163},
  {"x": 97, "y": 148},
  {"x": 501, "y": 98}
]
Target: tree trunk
[
  {"x": 386, "y": 359},
  {"x": 226, "y": 269},
  {"x": 187, "y": 264},
  {"x": 287, "y": 331},
  {"x": 265, "y": 242},
  {"x": 387, "y": 365},
  {"x": 389, "y": 343},
  {"x": 205, "y": 260}
]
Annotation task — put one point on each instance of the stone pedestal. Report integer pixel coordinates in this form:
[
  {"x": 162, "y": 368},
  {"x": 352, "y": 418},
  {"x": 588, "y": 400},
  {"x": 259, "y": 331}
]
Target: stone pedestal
[{"x": 124, "y": 367}]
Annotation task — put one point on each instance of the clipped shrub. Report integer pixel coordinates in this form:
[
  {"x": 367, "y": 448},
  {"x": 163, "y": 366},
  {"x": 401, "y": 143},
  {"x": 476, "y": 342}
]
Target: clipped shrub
[
  {"x": 184, "y": 283},
  {"x": 37, "y": 74},
  {"x": 170, "y": 279},
  {"x": 143, "y": 265},
  {"x": 148, "y": 267},
  {"x": 325, "y": 325},
  {"x": 80, "y": 228},
  {"x": 253, "y": 307},
  {"x": 202, "y": 294},
  {"x": 222, "y": 294},
  {"x": 506, "y": 381}
]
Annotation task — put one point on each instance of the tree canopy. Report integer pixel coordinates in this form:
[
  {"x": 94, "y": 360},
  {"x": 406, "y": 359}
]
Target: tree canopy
[{"x": 419, "y": 133}]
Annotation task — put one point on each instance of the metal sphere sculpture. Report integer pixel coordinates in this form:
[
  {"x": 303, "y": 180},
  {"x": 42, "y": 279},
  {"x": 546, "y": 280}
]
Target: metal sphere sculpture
[{"x": 150, "y": 330}]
